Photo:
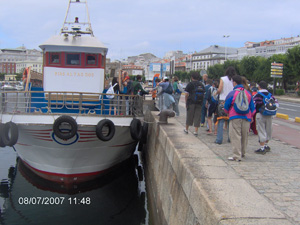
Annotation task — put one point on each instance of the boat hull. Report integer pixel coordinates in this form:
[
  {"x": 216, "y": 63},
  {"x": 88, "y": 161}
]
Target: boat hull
[{"x": 81, "y": 158}]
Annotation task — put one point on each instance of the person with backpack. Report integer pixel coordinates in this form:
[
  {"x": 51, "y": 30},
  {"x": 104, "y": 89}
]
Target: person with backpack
[
  {"x": 167, "y": 90},
  {"x": 178, "y": 89},
  {"x": 266, "y": 107},
  {"x": 240, "y": 108},
  {"x": 211, "y": 105},
  {"x": 126, "y": 91},
  {"x": 194, "y": 96},
  {"x": 208, "y": 83}
]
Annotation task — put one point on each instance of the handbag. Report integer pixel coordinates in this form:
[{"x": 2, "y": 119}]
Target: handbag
[{"x": 111, "y": 91}]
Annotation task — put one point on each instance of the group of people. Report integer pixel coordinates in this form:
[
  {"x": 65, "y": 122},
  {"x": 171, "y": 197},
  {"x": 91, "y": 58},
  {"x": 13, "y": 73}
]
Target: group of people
[
  {"x": 229, "y": 104},
  {"x": 235, "y": 103},
  {"x": 128, "y": 88}
]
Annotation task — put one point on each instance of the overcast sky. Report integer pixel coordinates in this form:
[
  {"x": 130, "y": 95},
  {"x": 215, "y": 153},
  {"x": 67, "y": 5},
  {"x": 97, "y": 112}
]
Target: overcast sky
[{"x": 134, "y": 27}]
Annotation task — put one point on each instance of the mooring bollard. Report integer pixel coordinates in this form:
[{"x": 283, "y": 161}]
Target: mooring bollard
[{"x": 164, "y": 115}]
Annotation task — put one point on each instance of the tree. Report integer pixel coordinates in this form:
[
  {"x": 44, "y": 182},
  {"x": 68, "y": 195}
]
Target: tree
[
  {"x": 292, "y": 72},
  {"x": 216, "y": 71},
  {"x": 247, "y": 66},
  {"x": 262, "y": 71},
  {"x": 2, "y": 76}
]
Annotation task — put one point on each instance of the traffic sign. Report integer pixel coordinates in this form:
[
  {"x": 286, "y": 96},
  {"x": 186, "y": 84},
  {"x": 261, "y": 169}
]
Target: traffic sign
[{"x": 276, "y": 70}]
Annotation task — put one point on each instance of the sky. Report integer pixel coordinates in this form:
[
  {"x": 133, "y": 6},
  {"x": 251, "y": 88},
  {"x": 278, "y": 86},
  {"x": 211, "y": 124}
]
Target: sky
[{"x": 133, "y": 27}]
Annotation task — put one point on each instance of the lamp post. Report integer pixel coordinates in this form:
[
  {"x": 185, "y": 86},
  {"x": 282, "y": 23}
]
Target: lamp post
[
  {"x": 191, "y": 56},
  {"x": 226, "y": 36}
]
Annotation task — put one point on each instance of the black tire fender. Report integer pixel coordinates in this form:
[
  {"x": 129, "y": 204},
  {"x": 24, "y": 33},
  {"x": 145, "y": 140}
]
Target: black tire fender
[
  {"x": 2, "y": 145},
  {"x": 111, "y": 130},
  {"x": 62, "y": 134},
  {"x": 10, "y": 134},
  {"x": 136, "y": 129},
  {"x": 144, "y": 133}
]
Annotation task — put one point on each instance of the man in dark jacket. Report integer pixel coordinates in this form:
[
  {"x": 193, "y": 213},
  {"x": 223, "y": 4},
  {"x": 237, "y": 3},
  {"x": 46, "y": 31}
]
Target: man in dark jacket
[{"x": 193, "y": 109}]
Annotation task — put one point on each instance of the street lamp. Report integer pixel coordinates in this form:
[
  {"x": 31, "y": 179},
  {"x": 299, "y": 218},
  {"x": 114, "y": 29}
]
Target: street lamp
[{"x": 226, "y": 36}]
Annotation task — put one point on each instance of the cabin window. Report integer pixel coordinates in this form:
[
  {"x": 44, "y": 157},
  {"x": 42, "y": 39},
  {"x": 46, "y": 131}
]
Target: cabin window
[
  {"x": 54, "y": 58},
  {"x": 91, "y": 60},
  {"x": 73, "y": 59}
]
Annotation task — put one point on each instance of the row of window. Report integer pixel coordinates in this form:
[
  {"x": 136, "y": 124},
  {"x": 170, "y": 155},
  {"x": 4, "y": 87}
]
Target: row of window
[
  {"x": 201, "y": 57},
  {"x": 75, "y": 59}
]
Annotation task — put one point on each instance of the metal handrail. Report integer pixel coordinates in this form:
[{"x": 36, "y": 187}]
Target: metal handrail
[{"x": 30, "y": 102}]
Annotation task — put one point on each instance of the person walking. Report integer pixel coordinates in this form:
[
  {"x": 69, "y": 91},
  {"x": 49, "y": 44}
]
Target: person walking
[
  {"x": 211, "y": 105},
  {"x": 167, "y": 90},
  {"x": 204, "y": 108},
  {"x": 114, "y": 102},
  {"x": 225, "y": 86},
  {"x": 193, "y": 102},
  {"x": 176, "y": 94},
  {"x": 254, "y": 90},
  {"x": 239, "y": 121},
  {"x": 263, "y": 122}
]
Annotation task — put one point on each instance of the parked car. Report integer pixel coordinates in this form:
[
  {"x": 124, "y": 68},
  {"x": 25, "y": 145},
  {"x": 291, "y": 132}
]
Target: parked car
[{"x": 7, "y": 87}]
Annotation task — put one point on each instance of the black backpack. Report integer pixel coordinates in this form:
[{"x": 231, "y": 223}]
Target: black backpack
[
  {"x": 199, "y": 93},
  {"x": 129, "y": 88},
  {"x": 169, "y": 89}
]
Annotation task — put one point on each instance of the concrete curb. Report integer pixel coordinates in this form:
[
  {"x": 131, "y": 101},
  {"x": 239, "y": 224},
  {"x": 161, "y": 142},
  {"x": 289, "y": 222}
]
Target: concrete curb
[{"x": 282, "y": 116}]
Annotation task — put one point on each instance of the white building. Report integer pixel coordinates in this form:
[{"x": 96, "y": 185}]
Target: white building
[
  {"x": 35, "y": 65},
  {"x": 211, "y": 56},
  {"x": 265, "y": 48}
]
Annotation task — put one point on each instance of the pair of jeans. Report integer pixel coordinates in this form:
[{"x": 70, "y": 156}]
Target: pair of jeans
[
  {"x": 219, "y": 138},
  {"x": 203, "y": 113}
]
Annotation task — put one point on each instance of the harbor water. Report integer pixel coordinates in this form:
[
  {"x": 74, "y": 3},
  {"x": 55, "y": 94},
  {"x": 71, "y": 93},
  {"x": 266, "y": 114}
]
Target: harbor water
[{"x": 116, "y": 198}]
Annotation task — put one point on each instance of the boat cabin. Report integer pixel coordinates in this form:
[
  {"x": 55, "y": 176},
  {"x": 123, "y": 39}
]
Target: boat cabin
[{"x": 74, "y": 64}]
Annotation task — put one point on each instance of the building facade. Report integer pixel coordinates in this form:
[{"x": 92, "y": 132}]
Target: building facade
[
  {"x": 211, "y": 56},
  {"x": 265, "y": 48},
  {"x": 9, "y": 58}
]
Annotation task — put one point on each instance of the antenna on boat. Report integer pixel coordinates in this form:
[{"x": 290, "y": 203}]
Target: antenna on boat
[{"x": 75, "y": 26}]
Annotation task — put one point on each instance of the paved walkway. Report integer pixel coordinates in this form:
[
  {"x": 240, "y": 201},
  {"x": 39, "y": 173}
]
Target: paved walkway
[{"x": 275, "y": 175}]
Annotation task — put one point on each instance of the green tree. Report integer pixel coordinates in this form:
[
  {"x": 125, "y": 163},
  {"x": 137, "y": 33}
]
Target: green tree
[
  {"x": 247, "y": 66},
  {"x": 292, "y": 65},
  {"x": 262, "y": 71},
  {"x": 2, "y": 76},
  {"x": 216, "y": 71}
]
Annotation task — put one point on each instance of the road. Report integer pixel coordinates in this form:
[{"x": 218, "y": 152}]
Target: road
[
  {"x": 286, "y": 131},
  {"x": 289, "y": 108}
]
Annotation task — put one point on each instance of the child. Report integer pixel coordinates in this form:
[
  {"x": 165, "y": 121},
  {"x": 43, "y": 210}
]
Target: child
[
  {"x": 211, "y": 105},
  {"x": 263, "y": 123}
]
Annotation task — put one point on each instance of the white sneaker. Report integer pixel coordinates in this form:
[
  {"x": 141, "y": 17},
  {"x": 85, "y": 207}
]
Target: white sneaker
[{"x": 185, "y": 131}]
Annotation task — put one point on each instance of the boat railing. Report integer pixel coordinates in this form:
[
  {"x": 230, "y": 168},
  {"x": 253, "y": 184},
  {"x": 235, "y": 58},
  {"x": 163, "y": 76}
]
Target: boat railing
[{"x": 32, "y": 102}]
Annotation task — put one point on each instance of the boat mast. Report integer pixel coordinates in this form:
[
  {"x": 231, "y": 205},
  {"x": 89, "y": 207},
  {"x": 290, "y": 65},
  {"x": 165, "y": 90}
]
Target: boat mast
[{"x": 75, "y": 27}]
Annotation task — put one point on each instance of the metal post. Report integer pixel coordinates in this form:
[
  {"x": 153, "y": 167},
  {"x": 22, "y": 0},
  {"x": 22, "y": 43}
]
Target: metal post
[{"x": 226, "y": 36}]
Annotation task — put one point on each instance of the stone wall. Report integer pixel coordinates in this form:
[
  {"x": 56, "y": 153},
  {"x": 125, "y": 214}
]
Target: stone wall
[{"x": 188, "y": 184}]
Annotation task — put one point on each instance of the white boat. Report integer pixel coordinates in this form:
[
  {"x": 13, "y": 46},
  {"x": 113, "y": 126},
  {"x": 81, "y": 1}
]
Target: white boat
[{"x": 63, "y": 131}]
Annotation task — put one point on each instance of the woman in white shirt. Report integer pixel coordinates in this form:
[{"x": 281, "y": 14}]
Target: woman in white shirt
[{"x": 225, "y": 87}]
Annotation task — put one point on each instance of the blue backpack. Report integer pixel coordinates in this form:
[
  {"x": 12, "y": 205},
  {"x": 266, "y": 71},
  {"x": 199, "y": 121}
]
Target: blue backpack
[
  {"x": 269, "y": 108},
  {"x": 199, "y": 93}
]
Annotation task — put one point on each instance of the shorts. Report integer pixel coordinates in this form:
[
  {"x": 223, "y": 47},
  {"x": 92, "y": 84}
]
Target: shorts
[
  {"x": 212, "y": 109},
  {"x": 193, "y": 115}
]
